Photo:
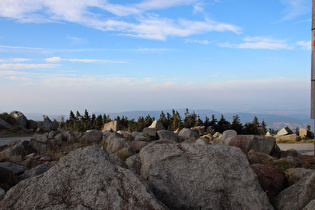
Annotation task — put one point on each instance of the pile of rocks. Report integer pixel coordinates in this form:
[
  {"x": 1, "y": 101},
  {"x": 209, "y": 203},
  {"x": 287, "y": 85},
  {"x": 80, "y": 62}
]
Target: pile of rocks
[
  {"x": 286, "y": 135},
  {"x": 17, "y": 120},
  {"x": 157, "y": 169}
]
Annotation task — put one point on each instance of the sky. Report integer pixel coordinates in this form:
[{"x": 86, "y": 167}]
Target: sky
[{"x": 113, "y": 56}]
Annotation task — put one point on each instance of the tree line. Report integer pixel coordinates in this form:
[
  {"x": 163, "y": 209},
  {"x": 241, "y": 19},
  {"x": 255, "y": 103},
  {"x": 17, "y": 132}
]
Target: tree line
[{"x": 171, "y": 121}]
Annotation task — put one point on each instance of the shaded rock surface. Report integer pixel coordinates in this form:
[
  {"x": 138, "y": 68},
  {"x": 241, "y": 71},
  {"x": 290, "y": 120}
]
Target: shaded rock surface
[
  {"x": 190, "y": 176},
  {"x": 165, "y": 134},
  {"x": 187, "y": 134},
  {"x": 271, "y": 179},
  {"x": 34, "y": 171},
  {"x": 20, "y": 118},
  {"x": 2, "y": 193},
  {"x": 14, "y": 168},
  {"x": 157, "y": 125},
  {"x": 298, "y": 195},
  {"x": 294, "y": 175},
  {"x": 246, "y": 143},
  {"x": 84, "y": 179}
]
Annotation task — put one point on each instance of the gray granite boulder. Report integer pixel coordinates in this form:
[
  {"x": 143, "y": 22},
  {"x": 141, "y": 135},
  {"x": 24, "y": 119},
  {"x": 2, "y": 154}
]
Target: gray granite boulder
[
  {"x": 190, "y": 176},
  {"x": 2, "y": 193},
  {"x": 170, "y": 135},
  {"x": 20, "y": 118},
  {"x": 188, "y": 134},
  {"x": 13, "y": 168},
  {"x": 257, "y": 143},
  {"x": 84, "y": 179},
  {"x": 34, "y": 171},
  {"x": 297, "y": 196}
]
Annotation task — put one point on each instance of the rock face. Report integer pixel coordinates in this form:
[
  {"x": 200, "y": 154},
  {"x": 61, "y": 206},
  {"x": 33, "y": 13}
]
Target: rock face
[
  {"x": 227, "y": 135},
  {"x": 2, "y": 193},
  {"x": 157, "y": 125},
  {"x": 190, "y": 176},
  {"x": 298, "y": 195},
  {"x": 271, "y": 179},
  {"x": 294, "y": 175},
  {"x": 5, "y": 124},
  {"x": 113, "y": 125},
  {"x": 285, "y": 131},
  {"x": 20, "y": 118},
  {"x": 48, "y": 125},
  {"x": 13, "y": 168},
  {"x": 246, "y": 143},
  {"x": 84, "y": 179},
  {"x": 188, "y": 134},
  {"x": 165, "y": 134}
]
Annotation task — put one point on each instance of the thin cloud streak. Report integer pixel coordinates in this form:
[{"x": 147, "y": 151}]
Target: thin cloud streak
[
  {"x": 7, "y": 66},
  {"x": 259, "y": 43},
  {"x": 59, "y": 59},
  {"x": 79, "y": 12}
]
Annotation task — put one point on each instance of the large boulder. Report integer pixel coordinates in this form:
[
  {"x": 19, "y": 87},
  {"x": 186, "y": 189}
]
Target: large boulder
[
  {"x": 227, "y": 135},
  {"x": 112, "y": 125},
  {"x": 294, "y": 175},
  {"x": 310, "y": 205},
  {"x": 8, "y": 119},
  {"x": 157, "y": 125},
  {"x": 15, "y": 151},
  {"x": 285, "y": 131},
  {"x": 47, "y": 125},
  {"x": 116, "y": 142},
  {"x": 271, "y": 179},
  {"x": 303, "y": 133},
  {"x": 297, "y": 196},
  {"x": 246, "y": 143},
  {"x": 141, "y": 137},
  {"x": 190, "y": 176},
  {"x": 258, "y": 157},
  {"x": 13, "y": 168},
  {"x": 38, "y": 143},
  {"x": 2, "y": 193},
  {"x": 34, "y": 171},
  {"x": 170, "y": 135},
  {"x": 84, "y": 179},
  {"x": 20, "y": 118},
  {"x": 7, "y": 179},
  {"x": 90, "y": 137},
  {"x": 5, "y": 124},
  {"x": 288, "y": 138},
  {"x": 150, "y": 132},
  {"x": 188, "y": 134}
]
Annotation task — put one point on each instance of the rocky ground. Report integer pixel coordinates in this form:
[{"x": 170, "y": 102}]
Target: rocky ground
[{"x": 154, "y": 169}]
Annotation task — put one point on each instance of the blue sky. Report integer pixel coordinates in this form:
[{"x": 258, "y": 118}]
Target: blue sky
[{"x": 112, "y": 56}]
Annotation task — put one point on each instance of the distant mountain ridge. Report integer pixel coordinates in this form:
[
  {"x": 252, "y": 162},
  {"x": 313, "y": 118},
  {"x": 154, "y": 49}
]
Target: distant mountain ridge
[{"x": 272, "y": 120}]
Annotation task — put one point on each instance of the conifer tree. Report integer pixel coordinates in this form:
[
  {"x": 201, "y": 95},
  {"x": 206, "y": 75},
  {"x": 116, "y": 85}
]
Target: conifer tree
[
  {"x": 223, "y": 124},
  {"x": 237, "y": 125}
]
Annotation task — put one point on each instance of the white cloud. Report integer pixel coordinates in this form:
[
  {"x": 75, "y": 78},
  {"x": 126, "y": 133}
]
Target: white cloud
[
  {"x": 259, "y": 43},
  {"x": 58, "y": 59},
  {"x": 7, "y": 66},
  {"x": 304, "y": 44},
  {"x": 205, "y": 42},
  {"x": 296, "y": 8},
  {"x": 79, "y": 12},
  {"x": 53, "y": 59},
  {"x": 14, "y": 60}
]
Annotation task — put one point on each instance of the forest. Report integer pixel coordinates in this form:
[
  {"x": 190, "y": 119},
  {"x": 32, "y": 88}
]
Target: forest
[{"x": 171, "y": 121}]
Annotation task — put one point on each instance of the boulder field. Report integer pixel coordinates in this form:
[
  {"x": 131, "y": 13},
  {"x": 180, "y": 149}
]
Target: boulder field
[{"x": 155, "y": 169}]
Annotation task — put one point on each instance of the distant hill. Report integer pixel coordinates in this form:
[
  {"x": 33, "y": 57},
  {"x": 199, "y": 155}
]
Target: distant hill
[{"x": 273, "y": 121}]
